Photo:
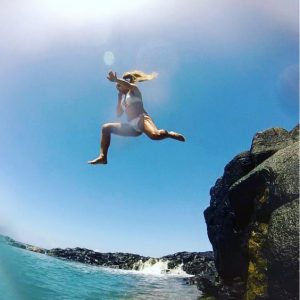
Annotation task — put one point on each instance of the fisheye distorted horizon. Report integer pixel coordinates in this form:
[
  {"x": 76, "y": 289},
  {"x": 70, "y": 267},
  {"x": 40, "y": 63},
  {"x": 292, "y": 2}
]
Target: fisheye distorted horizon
[{"x": 226, "y": 71}]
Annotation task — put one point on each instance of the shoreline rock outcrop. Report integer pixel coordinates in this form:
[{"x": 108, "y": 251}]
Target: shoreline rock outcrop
[
  {"x": 253, "y": 221},
  {"x": 190, "y": 263},
  {"x": 12, "y": 242}
]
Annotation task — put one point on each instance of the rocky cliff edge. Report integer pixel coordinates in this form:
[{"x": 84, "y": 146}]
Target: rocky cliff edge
[{"x": 253, "y": 221}]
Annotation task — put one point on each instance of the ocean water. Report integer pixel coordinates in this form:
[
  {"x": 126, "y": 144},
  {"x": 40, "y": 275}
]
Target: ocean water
[{"x": 26, "y": 275}]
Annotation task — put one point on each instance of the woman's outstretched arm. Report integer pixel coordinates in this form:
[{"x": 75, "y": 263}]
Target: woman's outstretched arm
[{"x": 112, "y": 76}]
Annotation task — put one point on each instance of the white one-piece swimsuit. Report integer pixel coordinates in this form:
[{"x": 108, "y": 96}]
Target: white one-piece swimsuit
[{"x": 128, "y": 100}]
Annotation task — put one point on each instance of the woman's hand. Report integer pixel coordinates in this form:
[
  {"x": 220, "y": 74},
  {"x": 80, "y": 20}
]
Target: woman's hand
[{"x": 112, "y": 76}]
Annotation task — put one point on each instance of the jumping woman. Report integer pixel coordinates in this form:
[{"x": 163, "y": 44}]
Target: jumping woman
[{"x": 138, "y": 121}]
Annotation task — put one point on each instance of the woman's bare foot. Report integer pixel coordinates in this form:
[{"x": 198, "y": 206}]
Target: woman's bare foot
[
  {"x": 176, "y": 136},
  {"x": 99, "y": 160}
]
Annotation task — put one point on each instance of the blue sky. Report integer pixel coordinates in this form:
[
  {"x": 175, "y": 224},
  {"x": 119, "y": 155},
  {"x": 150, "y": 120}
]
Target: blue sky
[{"x": 226, "y": 71}]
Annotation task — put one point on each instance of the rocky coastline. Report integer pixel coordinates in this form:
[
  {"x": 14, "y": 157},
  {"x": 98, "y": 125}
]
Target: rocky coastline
[
  {"x": 182, "y": 263},
  {"x": 252, "y": 224}
]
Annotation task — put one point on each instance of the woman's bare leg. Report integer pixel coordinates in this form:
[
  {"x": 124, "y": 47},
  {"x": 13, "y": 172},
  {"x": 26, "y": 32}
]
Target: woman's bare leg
[
  {"x": 154, "y": 133},
  {"x": 107, "y": 130}
]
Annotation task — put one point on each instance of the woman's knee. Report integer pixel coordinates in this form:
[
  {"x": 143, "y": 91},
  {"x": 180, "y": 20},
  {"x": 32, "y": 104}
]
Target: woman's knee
[{"x": 106, "y": 129}]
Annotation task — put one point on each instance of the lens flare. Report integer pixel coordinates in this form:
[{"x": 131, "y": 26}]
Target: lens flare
[{"x": 108, "y": 58}]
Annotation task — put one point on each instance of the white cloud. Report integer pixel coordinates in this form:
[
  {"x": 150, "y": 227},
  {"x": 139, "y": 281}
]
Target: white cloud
[
  {"x": 33, "y": 26},
  {"x": 144, "y": 34}
]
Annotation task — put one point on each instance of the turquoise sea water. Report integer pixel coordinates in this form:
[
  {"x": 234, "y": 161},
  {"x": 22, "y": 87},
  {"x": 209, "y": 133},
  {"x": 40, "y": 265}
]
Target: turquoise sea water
[{"x": 26, "y": 275}]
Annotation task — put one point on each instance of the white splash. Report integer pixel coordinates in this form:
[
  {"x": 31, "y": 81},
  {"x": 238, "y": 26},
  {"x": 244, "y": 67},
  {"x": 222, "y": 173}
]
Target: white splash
[{"x": 155, "y": 266}]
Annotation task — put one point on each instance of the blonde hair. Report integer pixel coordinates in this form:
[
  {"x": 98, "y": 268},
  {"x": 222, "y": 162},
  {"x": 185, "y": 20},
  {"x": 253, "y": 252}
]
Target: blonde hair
[{"x": 138, "y": 76}]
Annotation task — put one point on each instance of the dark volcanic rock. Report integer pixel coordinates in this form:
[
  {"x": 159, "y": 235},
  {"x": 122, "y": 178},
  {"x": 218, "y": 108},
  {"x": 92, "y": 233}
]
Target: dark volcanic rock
[
  {"x": 252, "y": 220},
  {"x": 295, "y": 133},
  {"x": 266, "y": 143},
  {"x": 117, "y": 260},
  {"x": 193, "y": 263},
  {"x": 189, "y": 261},
  {"x": 283, "y": 251},
  {"x": 220, "y": 219}
]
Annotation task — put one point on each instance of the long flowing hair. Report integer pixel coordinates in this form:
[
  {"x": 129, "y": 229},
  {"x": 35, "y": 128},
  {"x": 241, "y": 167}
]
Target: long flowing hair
[{"x": 138, "y": 76}]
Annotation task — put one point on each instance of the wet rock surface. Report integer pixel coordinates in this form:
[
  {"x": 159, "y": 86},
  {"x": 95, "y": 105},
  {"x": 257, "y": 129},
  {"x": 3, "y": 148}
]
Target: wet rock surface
[
  {"x": 253, "y": 222},
  {"x": 192, "y": 263}
]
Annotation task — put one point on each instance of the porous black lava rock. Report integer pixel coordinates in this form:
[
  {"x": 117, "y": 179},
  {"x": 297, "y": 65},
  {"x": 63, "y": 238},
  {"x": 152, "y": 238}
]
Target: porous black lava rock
[
  {"x": 253, "y": 221},
  {"x": 192, "y": 263},
  {"x": 116, "y": 260}
]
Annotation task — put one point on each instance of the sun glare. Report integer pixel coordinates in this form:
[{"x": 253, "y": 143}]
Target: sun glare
[{"x": 91, "y": 9}]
